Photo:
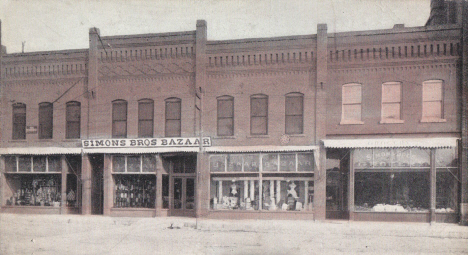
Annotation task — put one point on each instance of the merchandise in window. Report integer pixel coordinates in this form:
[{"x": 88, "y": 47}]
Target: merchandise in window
[
  {"x": 35, "y": 189},
  {"x": 287, "y": 195},
  {"x": 234, "y": 194},
  {"x": 136, "y": 191},
  {"x": 447, "y": 180}
]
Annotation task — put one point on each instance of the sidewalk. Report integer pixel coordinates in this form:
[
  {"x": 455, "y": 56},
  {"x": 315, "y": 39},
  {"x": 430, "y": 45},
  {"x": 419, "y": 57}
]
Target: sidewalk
[{"x": 77, "y": 234}]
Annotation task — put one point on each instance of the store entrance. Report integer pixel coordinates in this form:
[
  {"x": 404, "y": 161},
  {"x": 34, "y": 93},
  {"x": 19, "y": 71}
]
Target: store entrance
[
  {"x": 183, "y": 196},
  {"x": 97, "y": 187},
  {"x": 337, "y": 184}
]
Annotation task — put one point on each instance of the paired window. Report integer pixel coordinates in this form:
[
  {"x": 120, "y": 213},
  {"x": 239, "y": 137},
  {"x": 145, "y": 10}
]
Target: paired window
[
  {"x": 173, "y": 117},
  {"x": 432, "y": 107},
  {"x": 391, "y": 103},
  {"x": 119, "y": 119},
  {"x": 45, "y": 120},
  {"x": 259, "y": 114},
  {"x": 19, "y": 121},
  {"x": 225, "y": 116},
  {"x": 73, "y": 117},
  {"x": 294, "y": 109},
  {"x": 145, "y": 118},
  {"x": 351, "y": 104}
]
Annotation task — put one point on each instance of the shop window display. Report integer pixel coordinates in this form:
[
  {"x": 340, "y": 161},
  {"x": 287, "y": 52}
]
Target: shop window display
[
  {"x": 447, "y": 180},
  {"x": 135, "y": 181},
  {"x": 271, "y": 182}
]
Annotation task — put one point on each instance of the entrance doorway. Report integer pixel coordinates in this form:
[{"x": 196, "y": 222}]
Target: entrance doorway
[
  {"x": 337, "y": 184},
  {"x": 97, "y": 187},
  {"x": 183, "y": 198}
]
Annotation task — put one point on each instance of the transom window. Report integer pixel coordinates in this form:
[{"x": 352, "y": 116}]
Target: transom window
[
  {"x": 259, "y": 114},
  {"x": 294, "y": 110},
  {"x": 351, "y": 104},
  {"x": 134, "y": 164},
  {"x": 33, "y": 164},
  {"x": 225, "y": 116}
]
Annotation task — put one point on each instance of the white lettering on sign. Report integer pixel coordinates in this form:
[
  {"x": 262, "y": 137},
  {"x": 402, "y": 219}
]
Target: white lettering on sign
[{"x": 147, "y": 142}]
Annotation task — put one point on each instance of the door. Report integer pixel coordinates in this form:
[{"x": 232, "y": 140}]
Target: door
[
  {"x": 337, "y": 184},
  {"x": 183, "y": 196}
]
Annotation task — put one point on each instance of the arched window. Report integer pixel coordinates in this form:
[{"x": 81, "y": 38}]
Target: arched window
[
  {"x": 119, "y": 119},
  {"x": 73, "y": 119},
  {"x": 259, "y": 114},
  {"x": 294, "y": 111},
  {"x": 225, "y": 116},
  {"x": 145, "y": 118},
  {"x": 46, "y": 112},
  {"x": 173, "y": 117},
  {"x": 19, "y": 121}
]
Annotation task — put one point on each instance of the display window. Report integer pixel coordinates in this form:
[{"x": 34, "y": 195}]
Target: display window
[
  {"x": 269, "y": 182},
  {"x": 447, "y": 180},
  {"x": 135, "y": 181}
]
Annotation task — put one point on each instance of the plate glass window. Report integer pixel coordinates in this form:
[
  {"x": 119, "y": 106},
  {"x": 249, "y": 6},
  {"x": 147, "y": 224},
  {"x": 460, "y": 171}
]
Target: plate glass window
[
  {"x": 173, "y": 117},
  {"x": 225, "y": 116},
  {"x": 45, "y": 120},
  {"x": 294, "y": 113},
  {"x": 119, "y": 119},
  {"x": 19, "y": 121},
  {"x": 73, "y": 120},
  {"x": 259, "y": 115},
  {"x": 145, "y": 118}
]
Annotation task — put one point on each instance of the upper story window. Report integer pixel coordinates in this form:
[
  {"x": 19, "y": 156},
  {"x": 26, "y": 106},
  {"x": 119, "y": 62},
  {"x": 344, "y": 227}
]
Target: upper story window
[
  {"x": 294, "y": 110},
  {"x": 73, "y": 117},
  {"x": 19, "y": 121},
  {"x": 391, "y": 103},
  {"x": 173, "y": 117},
  {"x": 145, "y": 118},
  {"x": 225, "y": 116},
  {"x": 259, "y": 114},
  {"x": 433, "y": 101},
  {"x": 119, "y": 119},
  {"x": 351, "y": 104},
  {"x": 46, "y": 111}
]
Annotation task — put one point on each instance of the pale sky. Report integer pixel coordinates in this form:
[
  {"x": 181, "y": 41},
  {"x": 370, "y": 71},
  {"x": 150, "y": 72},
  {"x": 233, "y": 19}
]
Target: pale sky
[{"x": 64, "y": 24}]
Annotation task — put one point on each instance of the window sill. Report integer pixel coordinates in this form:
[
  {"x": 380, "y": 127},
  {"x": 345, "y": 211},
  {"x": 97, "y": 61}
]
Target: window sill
[
  {"x": 392, "y": 121},
  {"x": 296, "y": 135},
  {"x": 351, "y": 122},
  {"x": 224, "y": 137},
  {"x": 258, "y": 136},
  {"x": 18, "y": 141},
  {"x": 434, "y": 120}
]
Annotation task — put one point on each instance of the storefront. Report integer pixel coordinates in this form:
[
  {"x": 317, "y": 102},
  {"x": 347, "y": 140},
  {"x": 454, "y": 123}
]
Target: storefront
[
  {"x": 147, "y": 179},
  {"x": 262, "y": 181},
  {"x": 399, "y": 179},
  {"x": 41, "y": 180}
]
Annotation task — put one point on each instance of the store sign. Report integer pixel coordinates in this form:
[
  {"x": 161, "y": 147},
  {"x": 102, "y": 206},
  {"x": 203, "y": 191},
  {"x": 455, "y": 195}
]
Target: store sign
[{"x": 146, "y": 142}]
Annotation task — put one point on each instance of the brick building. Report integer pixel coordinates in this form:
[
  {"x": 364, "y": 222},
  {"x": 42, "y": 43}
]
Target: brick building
[{"x": 362, "y": 125}]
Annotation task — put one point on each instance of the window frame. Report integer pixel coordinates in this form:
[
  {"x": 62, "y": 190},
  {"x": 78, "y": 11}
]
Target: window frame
[
  {"x": 442, "y": 96},
  {"x": 384, "y": 120},
  {"x": 286, "y": 115},
  {"x": 218, "y": 117},
  {"x": 68, "y": 134},
  {"x": 44, "y": 122},
  {"x": 343, "y": 104},
  {"x": 142, "y": 120},
  {"x": 16, "y": 124},
  {"x": 166, "y": 119},
  {"x": 256, "y": 97},
  {"x": 114, "y": 120}
]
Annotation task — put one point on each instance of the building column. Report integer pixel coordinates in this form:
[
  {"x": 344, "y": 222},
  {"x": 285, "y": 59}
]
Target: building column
[
  {"x": 351, "y": 185},
  {"x": 433, "y": 181},
  {"x": 159, "y": 183},
  {"x": 320, "y": 185},
  {"x": 108, "y": 185},
  {"x": 464, "y": 120},
  {"x": 86, "y": 182},
  {"x": 63, "y": 200},
  {"x": 3, "y": 184}
]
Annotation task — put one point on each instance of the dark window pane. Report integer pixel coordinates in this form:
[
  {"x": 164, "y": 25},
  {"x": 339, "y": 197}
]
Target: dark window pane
[
  {"x": 259, "y": 106},
  {"x": 133, "y": 164},
  {"x": 119, "y": 129},
  {"x": 172, "y": 128},
  {"x": 119, "y": 110},
  {"x": 288, "y": 162},
  {"x": 190, "y": 164},
  {"x": 39, "y": 164},
  {"x": 447, "y": 190},
  {"x": 118, "y": 164},
  {"x": 45, "y": 120},
  {"x": 294, "y": 124},
  {"x": 173, "y": 116},
  {"x": 258, "y": 126},
  {"x": 55, "y": 164},
  {"x": 225, "y": 127},
  {"x": 73, "y": 117},
  {"x": 225, "y": 108},
  {"x": 24, "y": 164},
  {"x": 305, "y": 162},
  {"x": 19, "y": 121},
  {"x": 294, "y": 105},
  {"x": 173, "y": 110},
  {"x": 226, "y": 116},
  {"x": 149, "y": 163},
  {"x": 251, "y": 163},
  {"x": 145, "y": 128},
  {"x": 234, "y": 163},
  {"x": 270, "y": 162},
  {"x": 217, "y": 163},
  {"x": 145, "y": 118},
  {"x": 73, "y": 130},
  {"x": 10, "y": 164}
]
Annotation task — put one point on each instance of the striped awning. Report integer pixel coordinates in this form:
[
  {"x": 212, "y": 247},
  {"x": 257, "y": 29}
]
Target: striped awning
[
  {"x": 239, "y": 149},
  {"x": 39, "y": 151},
  {"x": 446, "y": 142}
]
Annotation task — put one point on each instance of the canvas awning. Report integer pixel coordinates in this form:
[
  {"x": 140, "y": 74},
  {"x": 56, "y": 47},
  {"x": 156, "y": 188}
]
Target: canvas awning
[
  {"x": 39, "y": 151},
  {"x": 446, "y": 142},
  {"x": 238, "y": 149},
  {"x": 140, "y": 150}
]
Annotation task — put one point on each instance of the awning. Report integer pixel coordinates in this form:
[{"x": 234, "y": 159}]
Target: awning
[
  {"x": 140, "y": 150},
  {"x": 446, "y": 142},
  {"x": 234, "y": 149},
  {"x": 39, "y": 150}
]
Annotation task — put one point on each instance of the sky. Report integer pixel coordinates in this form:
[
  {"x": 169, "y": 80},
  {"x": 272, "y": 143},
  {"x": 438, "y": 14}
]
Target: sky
[{"x": 64, "y": 24}]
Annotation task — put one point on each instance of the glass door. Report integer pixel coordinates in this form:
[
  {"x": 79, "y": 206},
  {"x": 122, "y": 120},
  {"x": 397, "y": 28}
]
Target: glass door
[{"x": 183, "y": 196}]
